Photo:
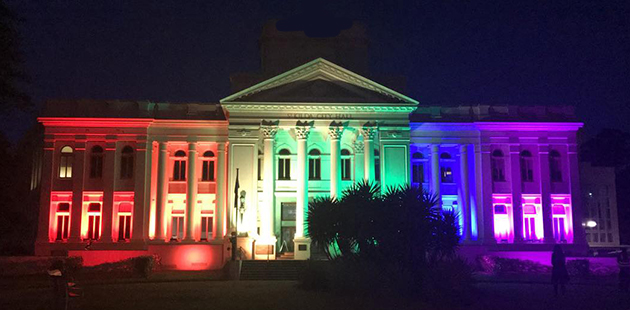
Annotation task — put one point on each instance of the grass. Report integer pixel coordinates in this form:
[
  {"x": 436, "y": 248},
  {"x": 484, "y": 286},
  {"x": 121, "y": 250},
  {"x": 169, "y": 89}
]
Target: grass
[{"x": 285, "y": 295}]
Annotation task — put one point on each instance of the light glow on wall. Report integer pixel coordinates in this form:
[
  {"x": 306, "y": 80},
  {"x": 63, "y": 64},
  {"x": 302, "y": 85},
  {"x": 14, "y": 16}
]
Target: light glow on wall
[
  {"x": 123, "y": 211},
  {"x": 503, "y": 223},
  {"x": 532, "y": 218},
  {"x": 59, "y": 218},
  {"x": 562, "y": 215},
  {"x": 91, "y": 198},
  {"x": 450, "y": 204}
]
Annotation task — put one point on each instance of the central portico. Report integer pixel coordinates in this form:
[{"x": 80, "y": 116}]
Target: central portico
[{"x": 309, "y": 132}]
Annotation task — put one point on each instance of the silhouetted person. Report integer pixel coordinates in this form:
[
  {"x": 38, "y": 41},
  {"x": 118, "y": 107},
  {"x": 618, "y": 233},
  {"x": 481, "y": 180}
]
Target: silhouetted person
[
  {"x": 60, "y": 285},
  {"x": 559, "y": 274},
  {"x": 624, "y": 270}
]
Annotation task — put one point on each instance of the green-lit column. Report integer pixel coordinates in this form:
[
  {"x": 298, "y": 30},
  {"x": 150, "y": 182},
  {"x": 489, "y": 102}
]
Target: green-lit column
[
  {"x": 266, "y": 214},
  {"x": 359, "y": 159},
  {"x": 335, "y": 131},
  {"x": 368, "y": 133},
  {"x": 302, "y": 244}
]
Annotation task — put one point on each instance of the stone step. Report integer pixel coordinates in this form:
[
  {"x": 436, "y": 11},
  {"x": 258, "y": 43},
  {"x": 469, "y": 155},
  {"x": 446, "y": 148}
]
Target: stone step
[{"x": 270, "y": 270}]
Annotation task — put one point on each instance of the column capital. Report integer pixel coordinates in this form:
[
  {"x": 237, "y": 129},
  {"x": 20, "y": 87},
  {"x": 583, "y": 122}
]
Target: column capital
[
  {"x": 302, "y": 131},
  {"x": 192, "y": 146},
  {"x": 335, "y": 132},
  {"x": 369, "y": 131},
  {"x": 221, "y": 146},
  {"x": 268, "y": 131}
]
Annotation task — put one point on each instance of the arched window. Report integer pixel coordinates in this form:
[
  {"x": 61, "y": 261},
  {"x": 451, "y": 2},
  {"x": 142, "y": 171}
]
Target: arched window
[
  {"x": 377, "y": 165},
  {"x": 555, "y": 166},
  {"x": 284, "y": 165},
  {"x": 96, "y": 162},
  {"x": 417, "y": 168},
  {"x": 207, "y": 167},
  {"x": 498, "y": 166},
  {"x": 126, "y": 163},
  {"x": 527, "y": 167},
  {"x": 314, "y": 164},
  {"x": 445, "y": 155},
  {"x": 179, "y": 167},
  {"x": 65, "y": 162},
  {"x": 346, "y": 165}
]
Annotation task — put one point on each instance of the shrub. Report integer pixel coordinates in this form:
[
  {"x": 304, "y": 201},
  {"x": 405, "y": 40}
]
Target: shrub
[
  {"x": 144, "y": 265},
  {"x": 141, "y": 266},
  {"x": 501, "y": 266},
  {"x": 578, "y": 267},
  {"x": 315, "y": 275}
]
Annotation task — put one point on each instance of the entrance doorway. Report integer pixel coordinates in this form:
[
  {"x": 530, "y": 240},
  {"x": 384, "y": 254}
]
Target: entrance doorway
[{"x": 288, "y": 233}]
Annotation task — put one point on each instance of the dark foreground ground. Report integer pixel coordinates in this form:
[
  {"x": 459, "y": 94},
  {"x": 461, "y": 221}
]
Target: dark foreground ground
[{"x": 285, "y": 295}]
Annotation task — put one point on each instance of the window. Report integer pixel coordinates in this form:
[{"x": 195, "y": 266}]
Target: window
[
  {"x": 63, "y": 221},
  {"x": 314, "y": 165},
  {"x": 417, "y": 168},
  {"x": 94, "y": 221},
  {"x": 346, "y": 165},
  {"x": 177, "y": 225},
  {"x": 179, "y": 168},
  {"x": 96, "y": 162},
  {"x": 555, "y": 166},
  {"x": 206, "y": 226},
  {"x": 124, "y": 221},
  {"x": 284, "y": 165},
  {"x": 559, "y": 232},
  {"x": 377, "y": 165},
  {"x": 498, "y": 166},
  {"x": 527, "y": 169},
  {"x": 445, "y": 156},
  {"x": 447, "y": 174},
  {"x": 65, "y": 163},
  {"x": 529, "y": 222},
  {"x": 207, "y": 167},
  {"x": 288, "y": 211},
  {"x": 126, "y": 163}
]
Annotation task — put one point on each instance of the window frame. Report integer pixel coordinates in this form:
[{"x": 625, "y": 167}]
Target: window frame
[
  {"x": 97, "y": 156},
  {"x": 284, "y": 165},
  {"x": 179, "y": 166},
  {"x": 66, "y": 161},
  {"x": 314, "y": 165},
  {"x": 127, "y": 158},
  {"x": 208, "y": 167},
  {"x": 497, "y": 163},
  {"x": 346, "y": 165}
]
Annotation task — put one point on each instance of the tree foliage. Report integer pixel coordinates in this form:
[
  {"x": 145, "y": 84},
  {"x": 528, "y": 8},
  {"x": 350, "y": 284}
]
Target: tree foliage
[
  {"x": 11, "y": 63},
  {"x": 402, "y": 226}
]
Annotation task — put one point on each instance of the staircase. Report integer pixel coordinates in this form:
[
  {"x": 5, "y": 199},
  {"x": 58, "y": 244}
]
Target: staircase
[{"x": 277, "y": 270}]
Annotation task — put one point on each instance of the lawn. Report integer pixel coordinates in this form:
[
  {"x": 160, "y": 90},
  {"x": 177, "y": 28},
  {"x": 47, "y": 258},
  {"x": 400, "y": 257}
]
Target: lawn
[{"x": 285, "y": 295}]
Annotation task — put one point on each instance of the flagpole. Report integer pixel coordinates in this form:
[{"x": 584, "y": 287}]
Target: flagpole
[{"x": 235, "y": 214}]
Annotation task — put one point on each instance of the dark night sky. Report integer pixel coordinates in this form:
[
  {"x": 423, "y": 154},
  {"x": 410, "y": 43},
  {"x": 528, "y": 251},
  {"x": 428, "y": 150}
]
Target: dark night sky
[{"x": 452, "y": 52}]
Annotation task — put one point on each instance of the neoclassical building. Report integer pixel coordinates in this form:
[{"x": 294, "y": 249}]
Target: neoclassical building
[{"x": 121, "y": 179}]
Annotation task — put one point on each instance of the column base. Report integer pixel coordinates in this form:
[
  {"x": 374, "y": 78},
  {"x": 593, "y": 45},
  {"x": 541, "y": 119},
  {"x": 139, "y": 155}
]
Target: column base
[
  {"x": 265, "y": 248},
  {"x": 302, "y": 248}
]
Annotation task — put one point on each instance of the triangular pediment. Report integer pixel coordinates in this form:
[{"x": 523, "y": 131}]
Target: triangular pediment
[{"x": 319, "y": 81}]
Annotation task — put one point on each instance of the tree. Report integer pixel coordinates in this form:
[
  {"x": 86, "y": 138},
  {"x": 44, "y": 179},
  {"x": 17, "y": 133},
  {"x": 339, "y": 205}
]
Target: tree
[{"x": 11, "y": 64}]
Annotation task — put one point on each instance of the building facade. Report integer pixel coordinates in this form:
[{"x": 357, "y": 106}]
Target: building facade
[
  {"x": 599, "y": 197},
  {"x": 122, "y": 179}
]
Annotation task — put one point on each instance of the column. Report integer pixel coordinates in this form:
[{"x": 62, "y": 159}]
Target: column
[
  {"x": 219, "y": 221},
  {"x": 435, "y": 173},
  {"x": 142, "y": 196},
  {"x": 334, "y": 132},
  {"x": 302, "y": 182},
  {"x": 545, "y": 189},
  {"x": 301, "y": 243},
  {"x": 46, "y": 215},
  {"x": 484, "y": 193},
  {"x": 517, "y": 208},
  {"x": 78, "y": 175},
  {"x": 110, "y": 175},
  {"x": 465, "y": 186},
  {"x": 368, "y": 142},
  {"x": 191, "y": 193},
  {"x": 269, "y": 181},
  {"x": 359, "y": 159},
  {"x": 162, "y": 191}
]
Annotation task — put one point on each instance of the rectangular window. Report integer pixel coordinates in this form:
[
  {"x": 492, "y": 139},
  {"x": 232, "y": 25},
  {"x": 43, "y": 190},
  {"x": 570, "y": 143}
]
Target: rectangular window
[
  {"x": 94, "y": 221},
  {"x": 377, "y": 169},
  {"x": 314, "y": 169},
  {"x": 288, "y": 211},
  {"x": 126, "y": 167},
  {"x": 63, "y": 221},
  {"x": 96, "y": 166},
  {"x": 65, "y": 167},
  {"x": 260, "y": 169},
  {"x": 530, "y": 228},
  {"x": 559, "y": 232},
  {"x": 284, "y": 169},
  {"x": 177, "y": 227},
  {"x": 124, "y": 227},
  {"x": 346, "y": 172},
  {"x": 207, "y": 170},
  {"x": 417, "y": 173},
  {"x": 179, "y": 170},
  {"x": 206, "y": 227}
]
